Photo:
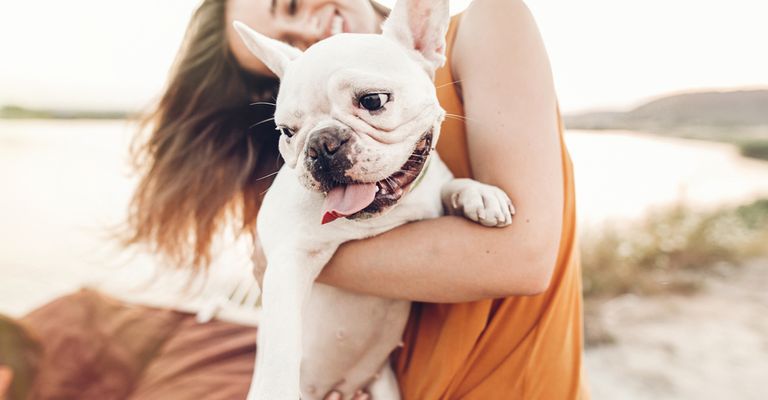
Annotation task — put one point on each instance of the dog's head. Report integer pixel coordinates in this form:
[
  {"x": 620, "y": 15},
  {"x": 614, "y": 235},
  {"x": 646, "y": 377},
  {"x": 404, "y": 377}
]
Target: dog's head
[{"x": 358, "y": 113}]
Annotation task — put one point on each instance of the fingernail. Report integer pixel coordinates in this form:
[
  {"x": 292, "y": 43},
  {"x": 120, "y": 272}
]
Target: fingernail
[
  {"x": 365, "y": 396},
  {"x": 334, "y": 396}
]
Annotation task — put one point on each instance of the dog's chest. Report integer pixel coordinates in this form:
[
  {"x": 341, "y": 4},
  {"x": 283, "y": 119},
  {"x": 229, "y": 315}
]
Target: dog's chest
[{"x": 346, "y": 337}]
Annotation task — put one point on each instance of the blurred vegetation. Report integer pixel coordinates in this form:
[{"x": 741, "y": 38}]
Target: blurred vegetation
[
  {"x": 16, "y": 112},
  {"x": 671, "y": 251},
  {"x": 737, "y": 117},
  {"x": 755, "y": 149}
]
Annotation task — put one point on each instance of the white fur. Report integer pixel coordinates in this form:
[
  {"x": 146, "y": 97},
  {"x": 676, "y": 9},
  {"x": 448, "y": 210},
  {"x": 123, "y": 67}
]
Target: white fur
[{"x": 313, "y": 337}]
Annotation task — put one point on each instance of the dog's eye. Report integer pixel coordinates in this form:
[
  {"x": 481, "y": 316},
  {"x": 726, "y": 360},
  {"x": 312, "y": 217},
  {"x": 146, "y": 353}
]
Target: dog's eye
[
  {"x": 284, "y": 130},
  {"x": 373, "y": 101}
]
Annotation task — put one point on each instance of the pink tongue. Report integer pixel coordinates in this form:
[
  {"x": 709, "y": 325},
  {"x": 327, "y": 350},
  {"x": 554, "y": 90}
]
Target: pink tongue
[{"x": 342, "y": 201}]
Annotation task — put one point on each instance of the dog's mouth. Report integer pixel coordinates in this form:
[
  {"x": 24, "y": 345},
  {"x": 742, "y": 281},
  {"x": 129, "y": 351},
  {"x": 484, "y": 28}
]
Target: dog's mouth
[{"x": 360, "y": 200}]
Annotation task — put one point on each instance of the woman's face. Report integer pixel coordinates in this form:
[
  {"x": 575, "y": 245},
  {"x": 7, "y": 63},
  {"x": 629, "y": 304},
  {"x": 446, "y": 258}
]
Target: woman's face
[{"x": 300, "y": 23}]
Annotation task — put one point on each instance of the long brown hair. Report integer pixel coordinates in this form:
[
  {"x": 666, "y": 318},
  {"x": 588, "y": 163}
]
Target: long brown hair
[{"x": 210, "y": 149}]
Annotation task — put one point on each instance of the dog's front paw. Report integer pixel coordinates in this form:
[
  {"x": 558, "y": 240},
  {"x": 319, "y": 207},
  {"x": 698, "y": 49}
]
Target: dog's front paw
[{"x": 485, "y": 204}]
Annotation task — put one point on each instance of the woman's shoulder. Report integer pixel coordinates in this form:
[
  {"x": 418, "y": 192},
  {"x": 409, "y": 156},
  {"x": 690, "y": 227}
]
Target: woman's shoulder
[{"x": 491, "y": 29}]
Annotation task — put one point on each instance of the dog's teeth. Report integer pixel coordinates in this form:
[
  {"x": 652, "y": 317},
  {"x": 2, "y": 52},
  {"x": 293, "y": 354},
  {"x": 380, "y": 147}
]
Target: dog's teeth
[{"x": 337, "y": 25}]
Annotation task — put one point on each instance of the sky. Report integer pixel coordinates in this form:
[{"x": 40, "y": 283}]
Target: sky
[{"x": 606, "y": 54}]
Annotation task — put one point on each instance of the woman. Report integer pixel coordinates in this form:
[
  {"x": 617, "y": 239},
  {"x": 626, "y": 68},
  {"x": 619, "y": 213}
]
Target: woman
[{"x": 210, "y": 156}]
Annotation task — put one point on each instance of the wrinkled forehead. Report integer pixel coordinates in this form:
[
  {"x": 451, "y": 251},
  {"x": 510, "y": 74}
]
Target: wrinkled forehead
[{"x": 350, "y": 59}]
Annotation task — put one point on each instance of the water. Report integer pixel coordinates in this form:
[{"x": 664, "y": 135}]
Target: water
[
  {"x": 623, "y": 174},
  {"x": 64, "y": 187},
  {"x": 66, "y": 184}
]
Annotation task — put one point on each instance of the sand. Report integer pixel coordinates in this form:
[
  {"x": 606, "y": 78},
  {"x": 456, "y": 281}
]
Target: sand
[{"x": 710, "y": 345}]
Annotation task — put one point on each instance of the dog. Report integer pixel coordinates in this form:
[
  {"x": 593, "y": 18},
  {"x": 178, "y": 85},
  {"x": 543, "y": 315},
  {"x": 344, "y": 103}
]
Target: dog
[{"x": 359, "y": 118}]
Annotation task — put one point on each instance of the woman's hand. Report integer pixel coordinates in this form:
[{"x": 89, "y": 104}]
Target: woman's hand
[{"x": 6, "y": 375}]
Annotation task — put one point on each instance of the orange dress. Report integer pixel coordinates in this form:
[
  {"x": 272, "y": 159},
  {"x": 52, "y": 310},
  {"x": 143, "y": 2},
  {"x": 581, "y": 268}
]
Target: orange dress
[{"x": 526, "y": 347}]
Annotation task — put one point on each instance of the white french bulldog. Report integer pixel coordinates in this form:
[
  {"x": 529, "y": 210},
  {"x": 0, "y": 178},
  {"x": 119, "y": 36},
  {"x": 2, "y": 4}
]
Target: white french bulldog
[{"x": 359, "y": 117}]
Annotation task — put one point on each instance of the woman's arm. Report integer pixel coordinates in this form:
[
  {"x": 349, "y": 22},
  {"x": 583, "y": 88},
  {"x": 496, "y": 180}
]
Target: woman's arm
[{"x": 513, "y": 143}]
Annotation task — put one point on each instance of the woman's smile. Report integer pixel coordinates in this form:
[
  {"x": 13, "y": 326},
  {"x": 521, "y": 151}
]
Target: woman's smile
[{"x": 300, "y": 23}]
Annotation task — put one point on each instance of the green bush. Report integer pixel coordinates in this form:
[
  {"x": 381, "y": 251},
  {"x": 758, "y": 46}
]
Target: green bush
[
  {"x": 755, "y": 149},
  {"x": 671, "y": 250}
]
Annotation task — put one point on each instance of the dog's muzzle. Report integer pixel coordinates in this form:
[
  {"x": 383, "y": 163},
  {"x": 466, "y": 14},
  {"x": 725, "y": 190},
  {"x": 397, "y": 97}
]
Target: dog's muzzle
[
  {"x": 383, "y": 194},
  {"x": 328, "y": 159},
  {"x": 327, "y": 156}
]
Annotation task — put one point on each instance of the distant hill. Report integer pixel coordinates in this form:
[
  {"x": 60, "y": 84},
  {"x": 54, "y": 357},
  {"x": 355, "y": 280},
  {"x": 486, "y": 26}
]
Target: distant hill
[
  {"x": 738, "y": 117},
  {"x": 742, "y": 109},
  {"x": 16, "y": 112}
]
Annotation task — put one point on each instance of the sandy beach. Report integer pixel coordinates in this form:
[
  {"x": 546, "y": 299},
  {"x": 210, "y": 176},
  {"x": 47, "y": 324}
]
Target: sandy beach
[{"x": 710, "y": 345}]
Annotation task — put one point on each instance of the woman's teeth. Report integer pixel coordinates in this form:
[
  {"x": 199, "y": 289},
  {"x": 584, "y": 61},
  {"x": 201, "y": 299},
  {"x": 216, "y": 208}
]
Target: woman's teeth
[{"x": 337, "y": 25}]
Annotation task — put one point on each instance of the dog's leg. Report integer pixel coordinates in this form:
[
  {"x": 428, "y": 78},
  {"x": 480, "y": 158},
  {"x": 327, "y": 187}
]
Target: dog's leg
[
  {"x": 385, "y": 387},
  {"x": 485, "y": 204},
  {"x": 287, "y": 285}
]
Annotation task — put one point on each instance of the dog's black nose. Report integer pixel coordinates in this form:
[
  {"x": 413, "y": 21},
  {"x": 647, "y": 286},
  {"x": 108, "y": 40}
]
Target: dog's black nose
[
  {"x": 329, "y": 155},
  {"x": 326, "y": 143}
]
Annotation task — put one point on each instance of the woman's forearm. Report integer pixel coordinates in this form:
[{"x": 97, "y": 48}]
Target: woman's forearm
[{"x": 448, "y": 259}]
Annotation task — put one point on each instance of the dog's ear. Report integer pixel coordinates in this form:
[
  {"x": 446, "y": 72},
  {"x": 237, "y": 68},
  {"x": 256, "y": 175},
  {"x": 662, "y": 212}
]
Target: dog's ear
[
  {"x": 420, "y": 25},
  {"x": 273, "y": 53}
]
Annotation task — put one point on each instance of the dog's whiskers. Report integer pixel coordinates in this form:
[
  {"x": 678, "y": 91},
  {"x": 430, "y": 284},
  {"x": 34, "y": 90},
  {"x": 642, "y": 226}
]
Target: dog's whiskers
[
  {"x": 463, "y": 118},
  {"x": 391, "y": 182},
  {"x": 261, "y": 122},
  {"x": 260, "y": 103},
  {"x": 452, "y": 117},
  {"x": 447, "y": 84},
  {"x": 268, "y": 175},
  {"x": 456, "y": 116}
]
